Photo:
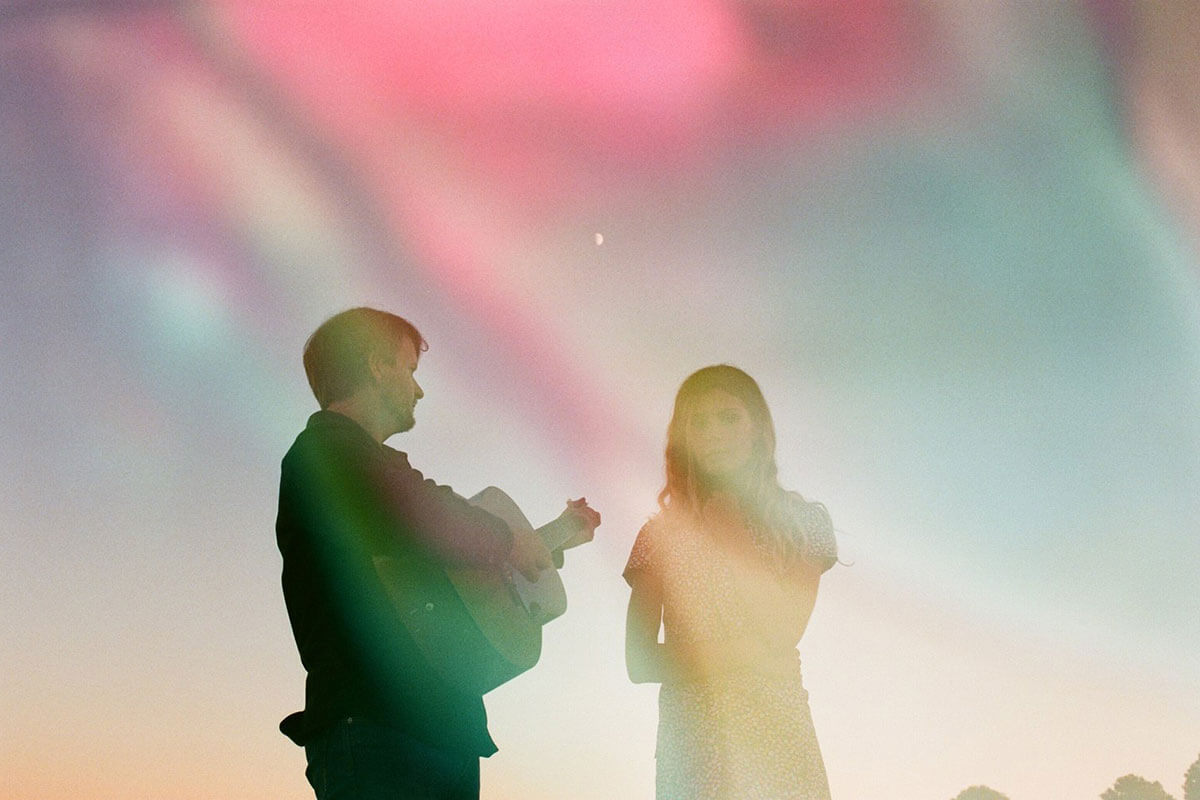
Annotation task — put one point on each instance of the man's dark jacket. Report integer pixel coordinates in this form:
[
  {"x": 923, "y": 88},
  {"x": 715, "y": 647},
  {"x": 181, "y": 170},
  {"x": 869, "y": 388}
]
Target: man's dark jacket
[{"x": 345, "y": 499}]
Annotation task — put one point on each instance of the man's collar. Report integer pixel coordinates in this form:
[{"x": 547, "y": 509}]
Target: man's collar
[{"x": 332, "y": 419}]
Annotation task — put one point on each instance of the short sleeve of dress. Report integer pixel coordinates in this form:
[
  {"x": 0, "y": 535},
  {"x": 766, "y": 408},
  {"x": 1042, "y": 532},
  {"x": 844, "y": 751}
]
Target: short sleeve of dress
[
  {"x": 642, "y": 556},
  {"x": 820, "y": 544}
]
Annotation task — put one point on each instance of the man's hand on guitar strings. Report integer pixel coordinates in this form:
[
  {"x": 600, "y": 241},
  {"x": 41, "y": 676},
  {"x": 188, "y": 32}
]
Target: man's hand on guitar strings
[{"x": 529, "y": 555}]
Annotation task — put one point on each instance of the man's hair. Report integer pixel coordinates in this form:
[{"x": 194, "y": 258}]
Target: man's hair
[{"x": 336, "y": 355}]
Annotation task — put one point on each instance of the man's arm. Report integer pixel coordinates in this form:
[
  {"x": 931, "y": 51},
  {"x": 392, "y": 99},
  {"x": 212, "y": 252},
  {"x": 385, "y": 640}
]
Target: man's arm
[{"x": 439, "y": 520}]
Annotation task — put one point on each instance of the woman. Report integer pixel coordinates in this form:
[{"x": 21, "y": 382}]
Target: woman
[{"x": 729, "y": 569}]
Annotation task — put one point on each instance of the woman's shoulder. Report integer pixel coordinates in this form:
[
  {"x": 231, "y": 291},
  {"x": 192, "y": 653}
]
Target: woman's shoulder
[
  {"x": 662, "y": 528},
  {"x": 814, "y": 525},
  {"x": 657, "y": 524},
  {"x": 648, "y": 545},
  {"x": 668, "y": 519},
  {"x": 807, "y": 514}
]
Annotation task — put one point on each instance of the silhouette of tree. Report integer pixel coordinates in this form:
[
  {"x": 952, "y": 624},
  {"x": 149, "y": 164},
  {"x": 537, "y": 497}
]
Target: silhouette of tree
[
  {"x": 1191, "y": 781},
  {"x": 980, "y": 793},
  {"x": 1133, "y": 787}
]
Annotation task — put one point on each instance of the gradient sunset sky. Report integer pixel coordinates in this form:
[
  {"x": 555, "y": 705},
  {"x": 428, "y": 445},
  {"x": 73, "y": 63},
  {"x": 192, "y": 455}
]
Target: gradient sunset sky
[{"x": 955, "y": 242}]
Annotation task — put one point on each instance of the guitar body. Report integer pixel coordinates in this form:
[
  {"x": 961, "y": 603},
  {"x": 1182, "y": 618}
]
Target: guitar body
[
  {"x": 446, "y": 631},
  {"x": 488, "y": 628},
  {"x": 543, "y": 599}
]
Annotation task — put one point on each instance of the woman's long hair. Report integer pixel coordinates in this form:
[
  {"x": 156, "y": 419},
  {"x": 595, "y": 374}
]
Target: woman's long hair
[{"x": 765, "y": 505}]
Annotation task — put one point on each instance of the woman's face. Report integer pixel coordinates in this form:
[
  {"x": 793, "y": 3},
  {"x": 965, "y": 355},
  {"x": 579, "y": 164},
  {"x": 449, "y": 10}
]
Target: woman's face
[{"x": 721, "y": 435}]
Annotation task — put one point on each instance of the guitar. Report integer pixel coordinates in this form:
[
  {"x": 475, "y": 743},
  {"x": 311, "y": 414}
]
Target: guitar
[{"x": 488, "y": 628}]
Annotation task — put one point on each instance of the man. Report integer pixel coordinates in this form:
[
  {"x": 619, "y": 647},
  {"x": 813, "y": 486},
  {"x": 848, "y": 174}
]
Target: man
[{"x": 378, "y": 721}]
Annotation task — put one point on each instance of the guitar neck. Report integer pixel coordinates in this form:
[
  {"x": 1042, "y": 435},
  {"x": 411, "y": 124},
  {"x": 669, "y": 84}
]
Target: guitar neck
[
  {"x": 557, "y": 532},
  {"x": 568, "y": 529}
]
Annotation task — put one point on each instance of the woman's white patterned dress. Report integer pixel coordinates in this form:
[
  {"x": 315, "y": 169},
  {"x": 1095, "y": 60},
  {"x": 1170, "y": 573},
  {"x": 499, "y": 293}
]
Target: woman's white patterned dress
[{"x": 746, "y": 732}]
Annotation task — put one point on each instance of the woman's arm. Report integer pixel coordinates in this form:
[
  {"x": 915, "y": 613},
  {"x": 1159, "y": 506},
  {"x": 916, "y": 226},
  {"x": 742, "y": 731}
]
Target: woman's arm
[{"x": 645, "y": 656}]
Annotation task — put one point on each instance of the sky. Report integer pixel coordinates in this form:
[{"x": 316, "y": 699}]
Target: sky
[{"x": 955, "y": 243}]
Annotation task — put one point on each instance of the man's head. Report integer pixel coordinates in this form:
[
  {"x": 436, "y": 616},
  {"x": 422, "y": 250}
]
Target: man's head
[{"x": 366, "y": 350}]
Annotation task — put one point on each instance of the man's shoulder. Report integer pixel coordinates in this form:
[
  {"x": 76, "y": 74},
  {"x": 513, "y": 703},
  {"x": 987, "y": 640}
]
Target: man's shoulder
[
  {"x": 329, "y": 445},
  {"x": 330, "y": 429},
  {"x": 332, "y": 424}
]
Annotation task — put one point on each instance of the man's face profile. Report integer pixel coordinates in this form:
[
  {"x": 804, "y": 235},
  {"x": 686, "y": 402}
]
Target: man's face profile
[{"x": 398, "y": 386}]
